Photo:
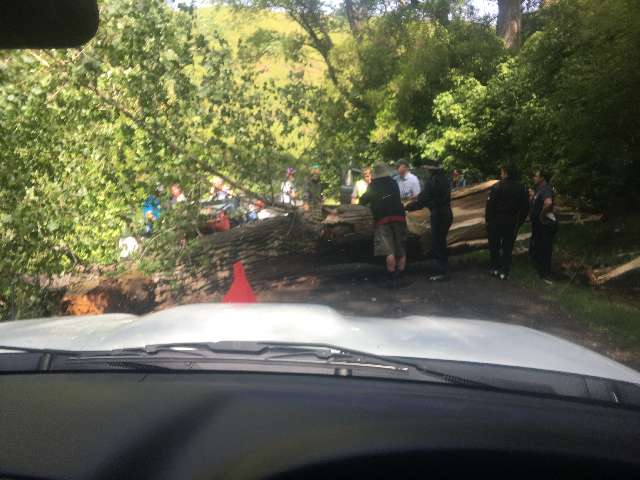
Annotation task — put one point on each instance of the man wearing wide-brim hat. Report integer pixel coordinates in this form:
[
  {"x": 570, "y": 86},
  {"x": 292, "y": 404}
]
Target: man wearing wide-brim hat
[
  {"x": 436, "y": 196},
  {"x": 390, "y": 234}
]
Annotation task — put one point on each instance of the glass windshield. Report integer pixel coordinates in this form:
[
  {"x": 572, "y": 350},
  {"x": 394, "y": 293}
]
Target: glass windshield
[{"x": 420, "y": 168}]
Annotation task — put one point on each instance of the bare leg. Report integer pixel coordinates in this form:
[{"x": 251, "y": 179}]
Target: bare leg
[
  {"x": 402, "y": 262},
  {"x": 391, "y": 263}
]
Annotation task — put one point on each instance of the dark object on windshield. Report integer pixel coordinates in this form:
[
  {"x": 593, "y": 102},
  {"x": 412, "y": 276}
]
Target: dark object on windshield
[{"x": 47, "y": 23}]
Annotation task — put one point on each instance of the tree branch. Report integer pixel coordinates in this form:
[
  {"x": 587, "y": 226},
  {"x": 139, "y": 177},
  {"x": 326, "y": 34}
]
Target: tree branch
[{"x": 143, "y": 126}]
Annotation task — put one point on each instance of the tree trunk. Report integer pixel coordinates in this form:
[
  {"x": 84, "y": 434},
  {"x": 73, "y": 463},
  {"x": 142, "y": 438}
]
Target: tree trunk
[
  {"x": 509, "y": 26},
  {"x": 356, "y": 13},
  {"x": 441, "y": 11},
  {"x": 291, "y": 245}
]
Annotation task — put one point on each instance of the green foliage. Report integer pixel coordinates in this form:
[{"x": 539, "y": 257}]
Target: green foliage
[
  {"x": 164, "y": 95},
  {"x": 568, "y": 101},
  {"x": 398, "y": 67},
  {"x": 86, "y": 135}
]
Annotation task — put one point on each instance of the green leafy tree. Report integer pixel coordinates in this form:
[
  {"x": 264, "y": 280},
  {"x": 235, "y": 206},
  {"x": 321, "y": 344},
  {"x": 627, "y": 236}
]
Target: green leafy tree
[{"x": 87, "y": 134}]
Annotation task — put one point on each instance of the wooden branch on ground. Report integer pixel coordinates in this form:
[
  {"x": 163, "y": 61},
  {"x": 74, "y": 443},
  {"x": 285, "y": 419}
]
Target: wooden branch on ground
[
  {"x": 465, "y": 246},
  {"x": 605, "y": 275}
]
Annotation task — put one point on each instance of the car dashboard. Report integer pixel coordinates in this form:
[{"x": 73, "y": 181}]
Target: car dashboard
[{"x": 104, "y": 425}]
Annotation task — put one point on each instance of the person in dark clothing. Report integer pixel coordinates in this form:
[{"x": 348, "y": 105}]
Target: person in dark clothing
[
  {"x": 314, "y": 189},
  {"x": 436, "y": 196},
  {"x": 390, "y": 234},
  {"x": 544, "y": 224},
  {"x": 507, "y": 209}
]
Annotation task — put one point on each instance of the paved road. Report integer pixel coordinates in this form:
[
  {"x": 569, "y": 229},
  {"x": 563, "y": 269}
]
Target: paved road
[{"x": 471, "y": 293}]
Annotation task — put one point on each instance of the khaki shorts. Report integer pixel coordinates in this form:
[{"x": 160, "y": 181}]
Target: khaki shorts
[{"x": 390, "y": 239}]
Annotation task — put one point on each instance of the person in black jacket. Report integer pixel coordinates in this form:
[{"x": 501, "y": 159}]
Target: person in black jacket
[
  {"x": 506, "y": 210},
  {"x": 390, "y": 234},
  {"x": 436, "y": 196},
  {"x": 544, "y": 224}
]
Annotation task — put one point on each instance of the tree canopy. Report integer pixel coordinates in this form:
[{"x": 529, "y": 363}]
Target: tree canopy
[{"x": 166, "y": 94}]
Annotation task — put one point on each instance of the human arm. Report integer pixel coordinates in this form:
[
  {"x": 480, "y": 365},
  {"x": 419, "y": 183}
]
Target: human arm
[
  {"x": 424, "y": 199},
  {"x": 365, "y": 199},
  {"x": 524, "y": 206},
  {"x": 546, "y": 197}
]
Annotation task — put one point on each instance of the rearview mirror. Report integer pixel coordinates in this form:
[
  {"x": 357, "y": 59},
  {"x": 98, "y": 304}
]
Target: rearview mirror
[{"x": 47, "y": 23}]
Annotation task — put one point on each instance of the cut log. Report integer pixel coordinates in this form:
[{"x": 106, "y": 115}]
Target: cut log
[
  {"x": 346, "y": 228},
  {"x": 479, "y": 244},
  {"x": 277, "y": 247},
  {"x": 605, "y": 275}
]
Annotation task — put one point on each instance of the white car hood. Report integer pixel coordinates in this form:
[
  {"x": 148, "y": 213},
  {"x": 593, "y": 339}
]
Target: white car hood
[{"x": 424, "y": 337}]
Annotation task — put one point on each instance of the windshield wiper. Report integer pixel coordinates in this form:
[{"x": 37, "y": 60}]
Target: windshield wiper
[
  {"x": 317, "y": 358},
  {"x": 203, "y": 355},
  {"x": 344, "y": 359}
]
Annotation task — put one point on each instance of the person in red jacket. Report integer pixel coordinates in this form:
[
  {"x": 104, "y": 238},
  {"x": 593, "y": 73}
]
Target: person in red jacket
[{"x": 390, "y": 234}]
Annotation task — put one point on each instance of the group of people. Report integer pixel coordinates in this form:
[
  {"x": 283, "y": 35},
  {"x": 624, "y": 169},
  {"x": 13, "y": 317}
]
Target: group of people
[
  {"x": 390, "y": 197},
  {"x": 508, "y": 206},
  {"x": 152, "y": 206},
  {"x": 410, "y": 185},
  {"x": 312, "y": 194},
  {"x": 219, "y": 199}
]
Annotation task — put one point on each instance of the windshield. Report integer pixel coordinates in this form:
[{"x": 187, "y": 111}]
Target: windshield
[{"x": 403, "y": 172}]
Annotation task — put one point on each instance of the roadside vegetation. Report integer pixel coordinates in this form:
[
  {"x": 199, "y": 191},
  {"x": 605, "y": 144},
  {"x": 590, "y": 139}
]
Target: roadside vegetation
[{"x": 246, "y": 89}]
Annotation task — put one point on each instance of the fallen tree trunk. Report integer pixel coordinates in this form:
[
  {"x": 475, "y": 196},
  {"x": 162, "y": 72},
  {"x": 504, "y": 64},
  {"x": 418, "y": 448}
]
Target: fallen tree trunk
[
  {"x": 321, "y": 231},
  {"x": 277, "y": 247},
  {"x": 479, "y": 244},
  {"x": 343, "y": 223}
]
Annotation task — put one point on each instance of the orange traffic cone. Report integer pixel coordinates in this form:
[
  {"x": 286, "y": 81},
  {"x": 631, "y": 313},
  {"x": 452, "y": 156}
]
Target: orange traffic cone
[{"x": 240, "y": 290}]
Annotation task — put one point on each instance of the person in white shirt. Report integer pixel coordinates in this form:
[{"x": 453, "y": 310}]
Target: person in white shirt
[
  {"x": 288, "y": 192},
  {"x": 361, "y": 186},
  {"x": 219, "y": 190},
  {"x": 408, "y": 183}
]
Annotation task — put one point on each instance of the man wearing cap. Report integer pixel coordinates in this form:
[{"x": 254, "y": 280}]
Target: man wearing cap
[
  {"x": 313, "y": 190},
  {"x": 407, "y": 182},
  {"x": 390, "y": 234},
  {"x": 436, "y": 196}
]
